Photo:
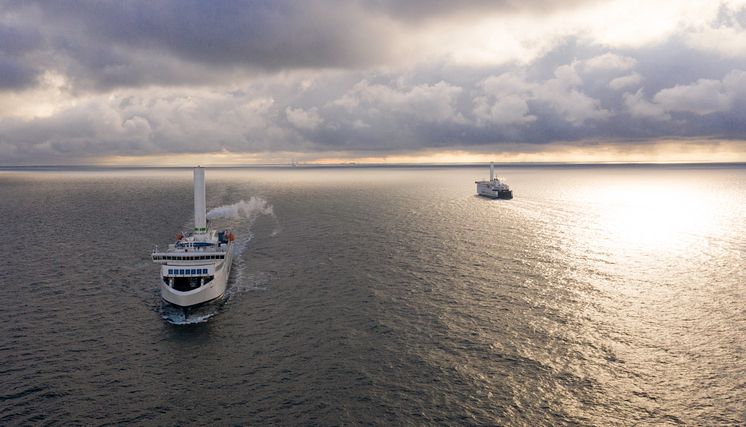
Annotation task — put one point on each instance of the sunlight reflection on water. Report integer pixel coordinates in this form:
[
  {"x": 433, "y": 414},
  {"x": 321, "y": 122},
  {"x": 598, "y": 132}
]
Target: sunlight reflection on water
[{"x": 597, "y": 296}]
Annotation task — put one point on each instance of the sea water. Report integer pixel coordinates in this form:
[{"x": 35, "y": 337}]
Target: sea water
[{"x": 599, "y": 295}]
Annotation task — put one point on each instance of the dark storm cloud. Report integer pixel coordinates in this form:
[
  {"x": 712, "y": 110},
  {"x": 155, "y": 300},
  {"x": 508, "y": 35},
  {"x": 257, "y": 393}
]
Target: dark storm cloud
[{"x": 108, "y": 43}]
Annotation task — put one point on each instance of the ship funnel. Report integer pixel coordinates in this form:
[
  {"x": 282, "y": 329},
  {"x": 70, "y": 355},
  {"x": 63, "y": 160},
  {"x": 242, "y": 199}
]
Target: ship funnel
[
  {"x": 200, "y": 216},
  {"x": 492, "y": 172}
]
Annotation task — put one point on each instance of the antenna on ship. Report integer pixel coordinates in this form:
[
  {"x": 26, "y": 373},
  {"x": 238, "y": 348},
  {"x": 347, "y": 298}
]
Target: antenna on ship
[
  {"x": 200, "y": 215},
  {"x": 492, "y": 171}
]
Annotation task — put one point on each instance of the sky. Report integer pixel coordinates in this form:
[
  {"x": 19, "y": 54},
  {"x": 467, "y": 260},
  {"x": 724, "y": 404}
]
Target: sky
[{"x": 177, "y": 82}]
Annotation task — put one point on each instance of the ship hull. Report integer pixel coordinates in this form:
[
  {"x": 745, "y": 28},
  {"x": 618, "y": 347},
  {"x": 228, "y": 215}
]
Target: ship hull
[
  {"x": 205, "y": 293},
  {"x": 497, "y": 196},
  {"x": 503, "y": 194}
]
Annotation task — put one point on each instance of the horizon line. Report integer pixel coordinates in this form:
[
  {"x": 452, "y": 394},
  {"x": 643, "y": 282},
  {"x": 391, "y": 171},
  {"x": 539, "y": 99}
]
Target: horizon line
[{"x": 371, "y": 164}]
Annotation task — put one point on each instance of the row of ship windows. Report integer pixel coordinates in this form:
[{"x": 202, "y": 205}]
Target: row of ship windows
[
  {"x": 190, "y": 258},
  {"x": 187, "y": 271}
]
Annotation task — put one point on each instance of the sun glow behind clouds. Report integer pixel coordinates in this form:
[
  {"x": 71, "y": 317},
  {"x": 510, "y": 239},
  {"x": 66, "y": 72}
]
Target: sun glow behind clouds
[
  {"x": 602, "y": 152},
  {"x": 48, "y": 98},
  {"x": 522, "y": 36}
]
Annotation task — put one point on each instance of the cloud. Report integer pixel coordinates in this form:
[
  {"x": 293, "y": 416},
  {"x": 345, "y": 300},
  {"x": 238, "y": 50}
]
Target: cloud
[
  {"x": 703, "y": 97},
  {"x": 505, "y": 100},
  {"x": 192, "y": 121},
  {"x": 93, "y": 79},
  {"x": 639, "y": 107},
  {"x": 610, "y": 61},
  {"x": 622, "y": 82},
  {"x": 102, "y": 45},
  {"x": 510, "y": 109},
  {"x": 419, "y": 10},
  {"x": 302, "y": 119},
  {"x": 424, "y": 102},
  {"x": 562, "y": 95},
  {"x": 15, "y": 41},
  {"x": 725, "y": 35}
]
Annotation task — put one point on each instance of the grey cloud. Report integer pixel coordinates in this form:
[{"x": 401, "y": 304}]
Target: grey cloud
[
  {"x": 302, "y": 119},
  {"x": 419, "y": 10},
  {"x": 101, "y": 44},
  {"x": 16, "y": 75},
  {"x": 576, "y": 92},
  {"x": 610, "y": 61},
  {"x": 639, "y": 106},
  {"x": 15, "y": 42},
  {"x": 705, "y": 96},
  {"x": 104, "y": 44},
  {"x": 630, "y": 80},
  {"x": 383, "y": 114}
]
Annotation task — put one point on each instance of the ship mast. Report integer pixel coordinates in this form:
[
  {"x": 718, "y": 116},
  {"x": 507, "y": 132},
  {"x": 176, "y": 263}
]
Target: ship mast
[
  {"x": 492, "y": 171},
  {"x": 200, "y": 216}
]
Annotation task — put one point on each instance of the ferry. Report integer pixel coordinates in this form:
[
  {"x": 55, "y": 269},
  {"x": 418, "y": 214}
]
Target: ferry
[
  {"x": 494, "y": 188},
  {"x": 195, "y": 268}
]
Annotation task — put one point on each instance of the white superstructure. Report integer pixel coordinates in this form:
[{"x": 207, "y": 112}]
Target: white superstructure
[
  {"x": 494, "y": 188},
  {"x": 195, "y": 268}
]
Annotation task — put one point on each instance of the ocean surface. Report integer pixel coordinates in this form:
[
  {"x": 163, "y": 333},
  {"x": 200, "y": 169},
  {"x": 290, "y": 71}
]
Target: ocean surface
[{"x": 599, "y": 295}]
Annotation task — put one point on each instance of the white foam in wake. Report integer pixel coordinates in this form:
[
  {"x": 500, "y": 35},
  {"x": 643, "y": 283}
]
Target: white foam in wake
[
  {"x": 250, "y": 209},
  {"x": 179, "y": 316}
]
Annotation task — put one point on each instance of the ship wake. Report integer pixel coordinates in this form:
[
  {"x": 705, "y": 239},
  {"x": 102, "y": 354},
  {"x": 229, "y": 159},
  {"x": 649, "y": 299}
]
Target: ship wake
[
  {"x": 176, "y": 315},
  {"x": 241, "y": 217}
]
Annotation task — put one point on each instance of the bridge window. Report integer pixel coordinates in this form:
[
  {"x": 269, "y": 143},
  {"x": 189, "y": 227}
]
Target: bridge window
[{"x": 181, "y": 271}]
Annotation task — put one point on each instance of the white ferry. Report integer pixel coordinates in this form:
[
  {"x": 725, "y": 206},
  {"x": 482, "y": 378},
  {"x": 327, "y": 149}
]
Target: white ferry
[
  {"x": 494, "y": 188},
  {"x": 195, "y": 268}
]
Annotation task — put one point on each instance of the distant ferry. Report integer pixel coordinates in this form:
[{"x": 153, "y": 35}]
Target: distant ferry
[
  {"x": 494, "y": 188},
  {"x": 195, "y": 268}
]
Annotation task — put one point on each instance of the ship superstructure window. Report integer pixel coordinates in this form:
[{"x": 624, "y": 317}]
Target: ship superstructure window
[{"x": 181, "y": 271}]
